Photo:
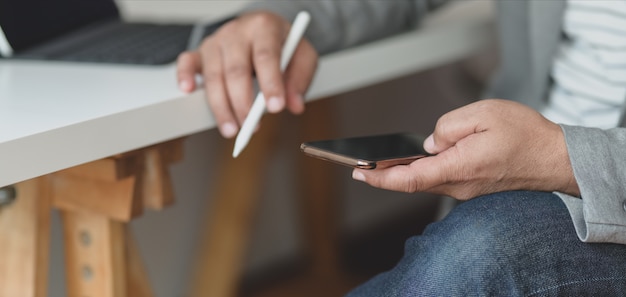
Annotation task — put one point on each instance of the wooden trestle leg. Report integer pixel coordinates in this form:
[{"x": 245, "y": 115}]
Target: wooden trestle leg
[
  {"x": 25, "y": 239},
  {"x": 96, "y": 201}
]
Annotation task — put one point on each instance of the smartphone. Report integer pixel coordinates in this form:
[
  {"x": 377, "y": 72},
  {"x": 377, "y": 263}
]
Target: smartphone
[{"x": 369, "y": 152}]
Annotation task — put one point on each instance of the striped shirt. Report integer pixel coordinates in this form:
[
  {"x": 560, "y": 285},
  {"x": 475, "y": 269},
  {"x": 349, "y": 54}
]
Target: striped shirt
[{"x": 589, "y": 71}]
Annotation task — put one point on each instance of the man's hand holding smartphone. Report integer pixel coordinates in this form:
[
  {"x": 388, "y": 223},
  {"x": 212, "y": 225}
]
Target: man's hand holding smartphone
[{"x": 485, "y": 147}]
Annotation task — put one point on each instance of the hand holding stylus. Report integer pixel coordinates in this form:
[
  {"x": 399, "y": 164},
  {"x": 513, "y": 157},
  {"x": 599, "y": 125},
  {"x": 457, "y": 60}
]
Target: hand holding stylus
[
  {"x": 258, "y": 108},
  {"x": 250, "y": 44}
]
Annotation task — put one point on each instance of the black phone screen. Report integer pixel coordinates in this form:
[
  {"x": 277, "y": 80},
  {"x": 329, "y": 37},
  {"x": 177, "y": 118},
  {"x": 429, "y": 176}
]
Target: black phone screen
[{"x": 376, "y": 147}]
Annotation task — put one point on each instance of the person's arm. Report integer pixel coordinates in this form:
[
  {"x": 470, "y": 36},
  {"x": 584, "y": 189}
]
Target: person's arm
[
  {"x": 598, "y": 159},
  {"x": 340, "y": 24}
]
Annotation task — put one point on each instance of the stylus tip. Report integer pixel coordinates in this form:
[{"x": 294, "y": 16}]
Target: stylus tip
[{"x": 238, "y": 148}]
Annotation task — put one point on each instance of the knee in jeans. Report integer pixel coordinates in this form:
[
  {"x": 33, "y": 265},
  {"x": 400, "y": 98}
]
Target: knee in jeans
[
  {"x": 466, "y": 260},
  {"x": 476, "y": 242}
]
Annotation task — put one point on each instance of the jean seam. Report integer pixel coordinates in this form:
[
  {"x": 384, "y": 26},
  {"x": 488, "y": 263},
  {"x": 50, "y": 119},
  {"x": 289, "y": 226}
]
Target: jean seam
[{"x": 574, "y": 282}]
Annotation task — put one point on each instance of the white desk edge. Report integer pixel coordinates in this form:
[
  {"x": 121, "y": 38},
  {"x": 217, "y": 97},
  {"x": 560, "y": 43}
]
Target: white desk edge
[{"x": 48, "y": 150}]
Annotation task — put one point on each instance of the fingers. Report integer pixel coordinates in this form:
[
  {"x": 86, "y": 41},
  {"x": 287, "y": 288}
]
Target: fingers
[
  {"x": 452, "y": 127},
  {"x": 299, "y": 75},
  {"x": 237, "y": 75},
  {"x": 187, "y": 66},
  {"x": 247, "y": 46},
  {"x": 266, "y": 51},
  {"x": 215, "y": 88}
]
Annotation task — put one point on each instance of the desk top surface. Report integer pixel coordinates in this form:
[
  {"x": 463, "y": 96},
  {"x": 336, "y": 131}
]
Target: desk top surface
[
  {"x": 36, "y": 97},
  {"x": 54, "y": 115}
]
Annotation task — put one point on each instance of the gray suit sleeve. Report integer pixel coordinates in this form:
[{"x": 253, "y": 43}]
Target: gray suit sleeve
[
  {"x": 598, "y": 159},
  {"x": 339, "y": 24}
]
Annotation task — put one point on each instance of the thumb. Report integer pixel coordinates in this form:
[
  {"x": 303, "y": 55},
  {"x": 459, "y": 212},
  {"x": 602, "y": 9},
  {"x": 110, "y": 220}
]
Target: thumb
[
  {"x": 421, "y": 175},
  {"x": 395, "y": 178},
  {"x": 430, "y": 174}
]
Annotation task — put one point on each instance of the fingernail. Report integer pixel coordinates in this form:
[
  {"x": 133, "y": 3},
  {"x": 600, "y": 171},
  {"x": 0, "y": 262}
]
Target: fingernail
[
  {"x": 185, "y": 85},
  {"x": 274, "y": 104},
  {"x": 228, "y": 130},
  {"x": 357, "y": 175},
  {"x": 429, "y": 144}
]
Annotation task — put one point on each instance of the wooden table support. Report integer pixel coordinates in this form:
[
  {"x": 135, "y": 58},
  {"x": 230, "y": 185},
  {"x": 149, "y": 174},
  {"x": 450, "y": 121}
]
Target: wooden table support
[
  {"x": 227, "y": 230},
  {"x": 96, "y": 201},
  {"x": 319, "y": 197},
  {"x": 25, "y": 241},
  {"x": 219, "y": 266}
]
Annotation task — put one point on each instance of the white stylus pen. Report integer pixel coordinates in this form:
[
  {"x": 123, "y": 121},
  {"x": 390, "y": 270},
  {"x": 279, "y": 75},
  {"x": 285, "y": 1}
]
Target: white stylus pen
[{"x": 258, "y": 107}]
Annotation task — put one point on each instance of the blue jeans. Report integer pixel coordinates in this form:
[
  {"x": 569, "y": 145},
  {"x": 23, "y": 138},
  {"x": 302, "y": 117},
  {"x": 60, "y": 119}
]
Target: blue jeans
[{"x": 506, "y": 244}]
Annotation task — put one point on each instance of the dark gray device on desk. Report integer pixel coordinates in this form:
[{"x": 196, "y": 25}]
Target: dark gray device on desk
[
  {"x": 369, "y": 152},
  {"x": 90, "y": 31}
]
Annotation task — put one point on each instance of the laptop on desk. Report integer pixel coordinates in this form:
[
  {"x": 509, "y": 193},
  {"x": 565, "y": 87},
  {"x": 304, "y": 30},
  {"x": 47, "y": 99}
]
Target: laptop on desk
[{"x": 90, "y": 31}]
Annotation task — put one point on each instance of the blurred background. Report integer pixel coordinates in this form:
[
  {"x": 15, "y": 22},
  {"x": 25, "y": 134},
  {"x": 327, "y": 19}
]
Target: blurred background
[{"x": 371, "y": 224}]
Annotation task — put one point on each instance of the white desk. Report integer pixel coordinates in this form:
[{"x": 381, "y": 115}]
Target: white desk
[{"x": 57, "y": 115}]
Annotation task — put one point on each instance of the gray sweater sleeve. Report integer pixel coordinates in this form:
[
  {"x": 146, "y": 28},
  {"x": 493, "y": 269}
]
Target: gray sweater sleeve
[
  {"x": 337, "y": 24},
  {"x": 598, "y": 159}
]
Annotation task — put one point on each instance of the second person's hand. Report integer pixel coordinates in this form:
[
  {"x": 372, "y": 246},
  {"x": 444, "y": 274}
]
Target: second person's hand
[{"x": 248, "y": 45}]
